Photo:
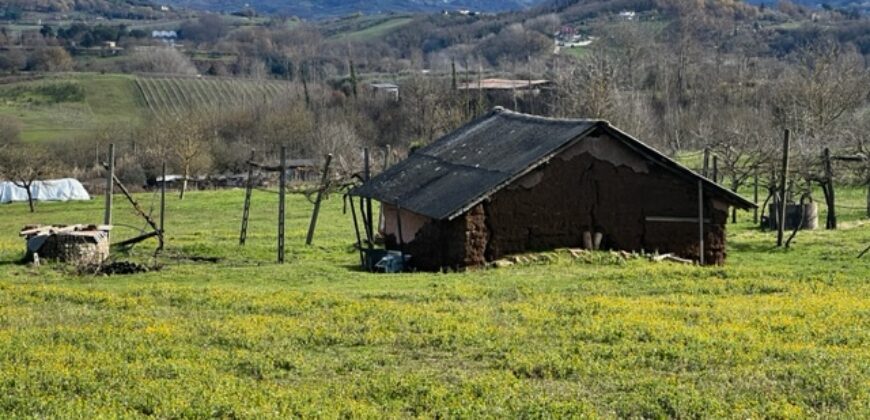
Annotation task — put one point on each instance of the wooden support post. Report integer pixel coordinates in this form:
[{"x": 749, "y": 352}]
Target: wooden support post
[
  {"x": 370, "y": 230},
  {"x": 831, "y": 222},
  {"x": 362, "y": 259},
  {"x": 706, "y": 170},
  {"x": 246, "y": 212},
  {"x": 323, "y": 185},
  {"x": 701, "y": 248},
  {"x": 162, "y": 208},
  {"x": 783, "y": 188},
  {"x": 282, "y": 194},
  {"x": 401, "y": 236},
  {"x": 110, "y": 182},
  {"x": 755, "y": 196}
]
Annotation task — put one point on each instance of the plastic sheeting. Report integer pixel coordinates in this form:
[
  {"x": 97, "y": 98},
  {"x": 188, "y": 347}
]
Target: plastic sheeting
[{"x": 67, "y": 189}]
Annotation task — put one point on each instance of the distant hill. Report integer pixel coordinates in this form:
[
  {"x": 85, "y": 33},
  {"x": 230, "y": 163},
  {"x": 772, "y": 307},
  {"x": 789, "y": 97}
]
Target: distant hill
[
  {"x": 134, "y": 9},
  {"x": 838, "y": 4},
  {"x": 331, "y": 8}
]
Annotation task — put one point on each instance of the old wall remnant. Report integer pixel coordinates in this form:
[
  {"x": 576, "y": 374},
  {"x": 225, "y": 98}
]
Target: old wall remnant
[{"x": 76, "y": 244}]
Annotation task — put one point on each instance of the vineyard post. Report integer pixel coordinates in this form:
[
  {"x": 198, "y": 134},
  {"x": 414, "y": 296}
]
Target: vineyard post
[
  {"x": 368, "y": 176},
  {"x": 324, "y": 180},
  {"x": 831, "y": 222},
  {"x": 701, "y": 222},
  {"x": 755, "y": 196},
  {"x": 162, "y": 207},
  {"x": 107, "y": 217},
  {"x": 246, "y": 212},
  {"x": 783, "y": 188},
  {"x": 282, "y": 194}
]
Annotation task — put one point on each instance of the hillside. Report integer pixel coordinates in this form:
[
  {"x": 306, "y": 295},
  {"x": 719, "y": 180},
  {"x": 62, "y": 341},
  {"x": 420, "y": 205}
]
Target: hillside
[
  {"x": 135, "y": 9},
  {"x": 331, "y": 8},
  {"x": 69, "y": 106}
]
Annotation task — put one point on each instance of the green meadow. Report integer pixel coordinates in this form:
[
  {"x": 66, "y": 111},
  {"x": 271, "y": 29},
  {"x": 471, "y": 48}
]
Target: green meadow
[{"x": 772, "y": 334}]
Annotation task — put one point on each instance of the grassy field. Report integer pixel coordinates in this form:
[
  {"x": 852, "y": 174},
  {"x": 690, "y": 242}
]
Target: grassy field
[
  {"x": 106, "y": 99},
  {"x": 774, "y": 333},
  {"x": 120, "y": 99}
]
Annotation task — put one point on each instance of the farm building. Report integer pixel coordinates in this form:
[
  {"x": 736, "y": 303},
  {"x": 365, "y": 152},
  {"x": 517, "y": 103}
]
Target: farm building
[{"x": 509, "y": 183}]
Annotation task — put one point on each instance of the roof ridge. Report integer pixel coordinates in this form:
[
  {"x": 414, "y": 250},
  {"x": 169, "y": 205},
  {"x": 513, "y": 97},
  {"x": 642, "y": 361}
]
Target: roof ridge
[{"x": 500, "y": 110}]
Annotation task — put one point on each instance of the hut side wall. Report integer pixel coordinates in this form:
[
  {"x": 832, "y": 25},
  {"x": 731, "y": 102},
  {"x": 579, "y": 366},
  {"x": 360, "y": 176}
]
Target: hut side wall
[
  {"x": 601, "y": 186},
  {"x": 454, "y": 244}
]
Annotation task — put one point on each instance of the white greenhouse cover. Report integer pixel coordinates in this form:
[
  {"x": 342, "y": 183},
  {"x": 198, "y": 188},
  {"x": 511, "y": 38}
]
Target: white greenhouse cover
[{"x": 66, "y": 189}]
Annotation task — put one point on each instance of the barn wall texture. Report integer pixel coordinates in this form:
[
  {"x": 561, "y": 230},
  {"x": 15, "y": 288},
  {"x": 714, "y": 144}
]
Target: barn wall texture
[
  {"x": 599, "y": 185},
  {"x": 602, "y": 186}
]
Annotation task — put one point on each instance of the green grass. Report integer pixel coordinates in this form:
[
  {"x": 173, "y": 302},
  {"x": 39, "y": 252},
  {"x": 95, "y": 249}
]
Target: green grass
[{"x": 773, "y": 333}]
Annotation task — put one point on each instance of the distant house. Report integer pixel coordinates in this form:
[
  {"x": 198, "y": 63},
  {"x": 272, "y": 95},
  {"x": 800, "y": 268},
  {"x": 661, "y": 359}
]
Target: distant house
[
  {"x": 511, "y": 183},
  {"x": 385, "y": 90}
]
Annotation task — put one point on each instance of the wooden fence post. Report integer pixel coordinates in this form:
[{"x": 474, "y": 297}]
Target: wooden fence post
[
  {"x": 282, "y": 194},
  {"x": 755, "y": 196},
  {"x": 323, "y": 185},
  {"x": 110, "y": 182},
  {"x": 162, "y": 207},
  {"x": 246, "y": 212},
  {"x": 370, "y": 231},
  {"x": 701, "y": 250},
  {"x": 831, "y": 222},
  {"x": 783, "y": 188}
]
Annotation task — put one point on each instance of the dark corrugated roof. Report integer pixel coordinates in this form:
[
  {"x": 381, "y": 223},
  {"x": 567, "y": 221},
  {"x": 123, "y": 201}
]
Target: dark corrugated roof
[
  {"x": 461, "y": 168},
  {"x": 455, "y": 173}
]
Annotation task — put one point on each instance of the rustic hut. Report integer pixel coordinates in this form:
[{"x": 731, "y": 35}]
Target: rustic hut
[{"x": 510, "y": 183}]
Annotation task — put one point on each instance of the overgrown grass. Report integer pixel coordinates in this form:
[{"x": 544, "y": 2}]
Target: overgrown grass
[{"x": 773, "y": 333}]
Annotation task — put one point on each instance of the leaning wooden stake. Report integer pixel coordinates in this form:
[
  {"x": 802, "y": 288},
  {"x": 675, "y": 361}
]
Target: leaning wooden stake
[
  {"x": 701, "y": 222},
  {"x": 246, "y": 212},
  {"x": 282, "y": 194},
  {"x": 110, "y": 182},
  {"x": 780, "y": 228},
  {"x": 323, "y": 185}
]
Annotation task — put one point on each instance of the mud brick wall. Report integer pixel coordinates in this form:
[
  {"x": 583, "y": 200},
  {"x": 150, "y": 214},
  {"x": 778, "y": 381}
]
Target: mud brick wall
[
  {"x": 448, "y": 244},
  {"x": 578, "y": 192}
]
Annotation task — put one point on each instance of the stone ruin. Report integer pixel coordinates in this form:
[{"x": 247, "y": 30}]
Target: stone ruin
[{"x": 72, "y": 244}]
